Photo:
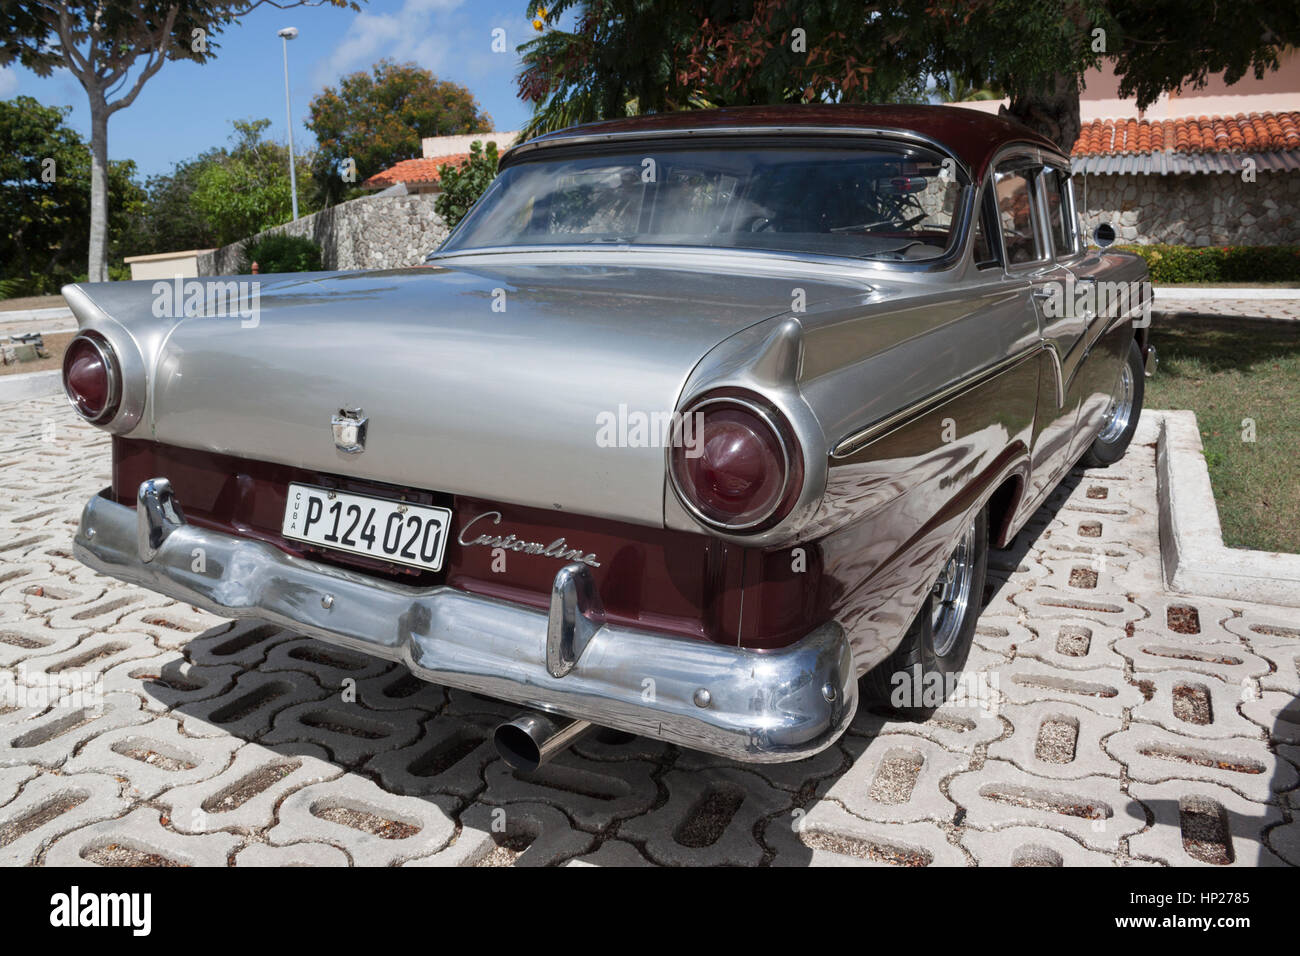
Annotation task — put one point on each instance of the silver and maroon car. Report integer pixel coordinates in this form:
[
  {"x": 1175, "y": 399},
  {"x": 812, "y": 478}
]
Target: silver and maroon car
[{"x": 694, "y": 420}]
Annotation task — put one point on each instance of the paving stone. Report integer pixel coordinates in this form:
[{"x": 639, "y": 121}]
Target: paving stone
[
  {"x": 139, "y": 839},
  {"x": 1195, "y": 705},
  {"x": 153, "y": 757},
  {"x": 1280, "y": 649},
  {"x": 169, "y": 681},
  {"x": 98, "y": 616},
  {"x": 1198, "y": 824},
  {"x": 86, "y": 662},
  {"x": 1278, "y": 714},
  {"x": 1056, "y": 739},
  {"x": 1230, "y": 663},
  {"x": 1073, "y": 644},
  {"x": 298, "y": 854},
  {"x": 1104, "y": 690},
  {"x": 12, "y": 780},
  {"x": 612, "y": 853},
  {"x": 245, "y": 794},
  {"x": 449, "y": 758},
  {"x": 828, "y": 835},
  {"x": 1049, "y": 604},
  {"x": 895, "y": 778},
  {"x": 50, "y": 739},
  {"x": 246, "y": 643},
  {"x": 380, "y": 829},
  {"x": 1093, "y": 810},
  {"x": 1285, "y": 842},
  {"x": 594, "y": 746},
  {"x": 173, "y": 625},
  {"x": 50, "y": 806},
  {"x": 248, "y": 709},
  {"x": 594, "y": 794},
  {"x": 793, "y": 776},
  {"x": 1030, "y": 846},
  {"x": 330, "y": 665},
  {"x": 960, "y": 729},
  {"x": 350, "y": 732},
  {"x": 23, "y": 639},
  {"x": 1153, "y": 754},
  {"x": 708, "y": 819},
  {"x": 1001, "y": 635},
  {"x": 519, "y": 834},
  {"x": 399, "y": 689}
]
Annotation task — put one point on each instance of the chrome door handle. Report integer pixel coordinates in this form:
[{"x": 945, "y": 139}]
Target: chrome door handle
[{"x": 1042, "y": 294}]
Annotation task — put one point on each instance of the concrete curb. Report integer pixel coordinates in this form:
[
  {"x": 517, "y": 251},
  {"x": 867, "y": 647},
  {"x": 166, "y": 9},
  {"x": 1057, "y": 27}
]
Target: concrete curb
[
  {"x": 36, "y": 315},
  {"x": 1192, "y": 551},
  {"x": 1166, "y": 294},
  {"x": 17, "y": 388}
]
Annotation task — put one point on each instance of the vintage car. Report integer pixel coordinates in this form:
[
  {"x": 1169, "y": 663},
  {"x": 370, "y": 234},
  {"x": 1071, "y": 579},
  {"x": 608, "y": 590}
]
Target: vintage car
[{"x": 692, "y": 422}]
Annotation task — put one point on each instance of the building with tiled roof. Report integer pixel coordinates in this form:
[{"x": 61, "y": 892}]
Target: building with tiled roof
[{"x": 417, "y": 175}]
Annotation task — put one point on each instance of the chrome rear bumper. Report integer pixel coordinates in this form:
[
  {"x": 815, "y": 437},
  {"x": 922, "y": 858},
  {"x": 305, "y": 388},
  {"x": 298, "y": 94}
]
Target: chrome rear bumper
[{"x": 761, "y": 707}]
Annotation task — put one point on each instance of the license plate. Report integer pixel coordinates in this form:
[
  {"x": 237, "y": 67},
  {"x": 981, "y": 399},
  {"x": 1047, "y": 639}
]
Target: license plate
[{"x": 397, "y": 531}]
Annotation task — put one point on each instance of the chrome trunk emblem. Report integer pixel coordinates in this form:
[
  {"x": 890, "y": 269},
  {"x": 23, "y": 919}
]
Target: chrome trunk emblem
[{"x": 349, "y": 430}]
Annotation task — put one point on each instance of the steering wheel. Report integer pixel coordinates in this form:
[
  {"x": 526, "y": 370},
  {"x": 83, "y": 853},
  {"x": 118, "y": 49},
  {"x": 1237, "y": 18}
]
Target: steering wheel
[{"x": 756, "y": 224}]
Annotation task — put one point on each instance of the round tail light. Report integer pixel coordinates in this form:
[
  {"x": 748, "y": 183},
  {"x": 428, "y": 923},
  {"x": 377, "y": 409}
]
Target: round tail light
[
  {"x": 91, "y": 378},
  {"x": 734, "y": 463}
]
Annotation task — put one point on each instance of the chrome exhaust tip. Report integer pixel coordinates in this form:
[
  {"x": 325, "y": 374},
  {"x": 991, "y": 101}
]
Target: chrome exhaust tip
[{"x": 532, "y": 739}]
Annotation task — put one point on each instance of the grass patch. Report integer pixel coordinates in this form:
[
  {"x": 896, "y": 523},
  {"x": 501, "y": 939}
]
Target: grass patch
[{"x": 1228, "y": 370}]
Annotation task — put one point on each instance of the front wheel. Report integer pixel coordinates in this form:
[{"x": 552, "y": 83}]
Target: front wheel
[
  {"x": 914, "y": 680},
  {"x": 1120, "y": 421}
]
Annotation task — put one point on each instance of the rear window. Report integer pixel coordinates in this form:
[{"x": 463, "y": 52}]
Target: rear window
[{"x": 884, "y": 203}]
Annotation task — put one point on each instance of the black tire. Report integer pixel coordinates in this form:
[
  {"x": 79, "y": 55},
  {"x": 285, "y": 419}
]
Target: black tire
[
  {"x": 1106, "y": 450},
  {"x": 900, "y": 683}
]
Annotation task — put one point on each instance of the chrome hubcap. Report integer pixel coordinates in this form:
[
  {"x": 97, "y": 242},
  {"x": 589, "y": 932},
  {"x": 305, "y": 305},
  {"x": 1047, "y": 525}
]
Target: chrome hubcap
[
  {"x": 951, "y": 596},
  {"x": 1120, "y": 409}
]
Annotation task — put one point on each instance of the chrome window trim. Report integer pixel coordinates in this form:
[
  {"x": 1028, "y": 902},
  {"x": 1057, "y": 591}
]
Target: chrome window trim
[{"x": 1031, "y": 167}]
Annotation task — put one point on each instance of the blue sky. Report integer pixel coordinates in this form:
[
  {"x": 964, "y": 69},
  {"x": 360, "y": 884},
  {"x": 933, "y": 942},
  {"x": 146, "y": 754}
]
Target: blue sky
[{"x": 186, "y": 108}]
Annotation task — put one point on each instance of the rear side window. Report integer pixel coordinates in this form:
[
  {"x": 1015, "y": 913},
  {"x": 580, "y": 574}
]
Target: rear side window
[
  {"x": 1060, "y": 214},
  {"x": 985, "y": 222},
  {"x": 1016, "y": 214}
]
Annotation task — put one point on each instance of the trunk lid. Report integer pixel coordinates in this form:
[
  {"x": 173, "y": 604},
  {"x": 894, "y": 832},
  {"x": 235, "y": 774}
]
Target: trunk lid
[{"x": 477, "y": 378}]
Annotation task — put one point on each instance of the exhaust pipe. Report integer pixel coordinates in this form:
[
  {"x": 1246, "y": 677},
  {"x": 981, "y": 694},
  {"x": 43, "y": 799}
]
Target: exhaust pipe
[{"x": 532, "y": 739}]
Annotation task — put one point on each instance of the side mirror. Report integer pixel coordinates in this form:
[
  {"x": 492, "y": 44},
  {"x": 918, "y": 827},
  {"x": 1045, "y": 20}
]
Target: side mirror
[{"x": 1104, "y": 234}]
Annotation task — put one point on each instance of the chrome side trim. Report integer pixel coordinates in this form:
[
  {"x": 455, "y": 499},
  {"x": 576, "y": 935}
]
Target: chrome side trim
[
  {"x": 763, "y": 707},
  {"x": 857, "y": 440}
]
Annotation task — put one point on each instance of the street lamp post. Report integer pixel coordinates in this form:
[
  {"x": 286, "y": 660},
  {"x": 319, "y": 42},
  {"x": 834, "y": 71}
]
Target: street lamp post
[{"x": 287, "y": 34}]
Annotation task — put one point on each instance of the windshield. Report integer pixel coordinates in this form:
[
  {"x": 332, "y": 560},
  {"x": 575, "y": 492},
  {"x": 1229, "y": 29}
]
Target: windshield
[{"x": 883, "y": 203}]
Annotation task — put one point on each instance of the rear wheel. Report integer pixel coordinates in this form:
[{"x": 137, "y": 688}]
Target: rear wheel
[
  {"x": 914, "y": 679},
  {"x": 1122, "y": 413}
]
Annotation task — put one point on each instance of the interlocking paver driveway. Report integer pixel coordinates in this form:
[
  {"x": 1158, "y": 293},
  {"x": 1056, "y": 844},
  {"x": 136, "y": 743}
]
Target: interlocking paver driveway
[{"x": 1131, "y": 726}]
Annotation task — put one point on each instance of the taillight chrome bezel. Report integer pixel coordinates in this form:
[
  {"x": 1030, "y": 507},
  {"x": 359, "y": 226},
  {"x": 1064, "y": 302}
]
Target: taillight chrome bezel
[
  {"x": 791, "y": 461},
  {"x": 112, "y": 369}
]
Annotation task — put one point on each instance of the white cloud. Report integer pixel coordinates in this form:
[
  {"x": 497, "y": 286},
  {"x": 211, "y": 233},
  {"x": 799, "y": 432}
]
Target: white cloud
[
  {"x": 420, "y": 31},
  {"x": 8, "y": 82}
]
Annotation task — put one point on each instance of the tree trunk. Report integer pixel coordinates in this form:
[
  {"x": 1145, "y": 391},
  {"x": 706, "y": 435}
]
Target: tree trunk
[
  {"x": 98, "y": 270},
  {"x": 1053, "y": 112}
]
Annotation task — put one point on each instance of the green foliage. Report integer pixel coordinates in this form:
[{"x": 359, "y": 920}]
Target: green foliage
[
  {"x": 462, "y": 185},
  {"x": 45, "y": 199},
  {"x": 279, "y": 253},
  {"x": 246, "y": 190},
  {"x": 377, "y": 119},
  {"x": 1220, "y": 263}
]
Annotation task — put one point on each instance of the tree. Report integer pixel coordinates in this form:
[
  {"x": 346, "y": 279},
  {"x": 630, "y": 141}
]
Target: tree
[
  {"x": 463, "y": 184},
  {"x": 103, "y": 44},
  {"x": 728, "y": 52},
  {"x": 377, "y": 119},
  {"x": 244, "y": 191},
  {"x": 171, "y": 221},
  {"x": 45, "y": 197}
]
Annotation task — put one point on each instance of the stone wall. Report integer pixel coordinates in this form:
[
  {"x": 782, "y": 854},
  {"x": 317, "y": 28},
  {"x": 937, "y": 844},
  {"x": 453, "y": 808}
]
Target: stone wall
[
  {"x": 1205, "y": 209},
  {"x": 373, "y": 232}
]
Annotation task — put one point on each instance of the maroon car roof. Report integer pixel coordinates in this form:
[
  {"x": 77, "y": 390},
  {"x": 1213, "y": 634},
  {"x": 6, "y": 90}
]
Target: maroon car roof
[{"x": 970, "y": 135}]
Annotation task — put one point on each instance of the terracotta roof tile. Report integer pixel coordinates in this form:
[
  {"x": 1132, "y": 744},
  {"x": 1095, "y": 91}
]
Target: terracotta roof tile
[
  {"x": 1254, "y": 132},
  {"x": 412, "y": 171}
]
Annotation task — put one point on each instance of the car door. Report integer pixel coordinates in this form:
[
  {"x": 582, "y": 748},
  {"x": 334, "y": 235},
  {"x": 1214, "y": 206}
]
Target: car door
[
  {"x": 1094, "y": 362},
  {"x": 1028, "y": 254}
]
